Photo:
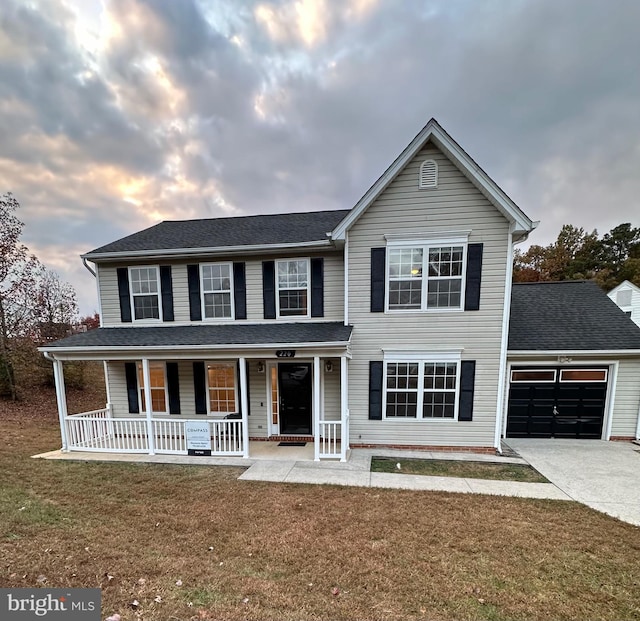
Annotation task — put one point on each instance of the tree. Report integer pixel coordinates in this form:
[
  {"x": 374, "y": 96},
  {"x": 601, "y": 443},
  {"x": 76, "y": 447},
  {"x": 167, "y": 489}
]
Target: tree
[{"x": 55, "y": 307}]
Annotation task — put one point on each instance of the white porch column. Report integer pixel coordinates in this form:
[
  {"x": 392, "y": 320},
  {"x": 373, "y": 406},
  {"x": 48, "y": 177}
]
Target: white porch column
[
  {"x": 316, "y": 408},
  {"x": 146, "y": 377},
  {"x": 344, "y": 408},
  {"x": 244, "y": 406},
  {"x": 61, "y": 399}
]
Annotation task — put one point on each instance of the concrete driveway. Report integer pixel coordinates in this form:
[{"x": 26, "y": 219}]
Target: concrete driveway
[{"x": 602, "y": 475}]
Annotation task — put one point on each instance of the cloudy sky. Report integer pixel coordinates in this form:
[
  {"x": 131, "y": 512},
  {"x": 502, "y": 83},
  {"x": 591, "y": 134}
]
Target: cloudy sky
[{"x": 115, "y": 115}]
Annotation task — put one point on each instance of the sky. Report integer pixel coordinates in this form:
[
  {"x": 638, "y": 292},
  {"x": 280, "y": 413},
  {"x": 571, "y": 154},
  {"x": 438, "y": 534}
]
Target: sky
[{"x": 117, "y": 114}]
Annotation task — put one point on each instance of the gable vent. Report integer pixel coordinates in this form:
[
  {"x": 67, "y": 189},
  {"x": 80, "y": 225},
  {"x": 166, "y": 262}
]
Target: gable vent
[{"x": 428, "y": 174}]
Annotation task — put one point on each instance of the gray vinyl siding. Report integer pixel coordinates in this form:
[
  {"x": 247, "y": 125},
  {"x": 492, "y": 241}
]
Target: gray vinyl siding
[
  {"x": 331, "y": 392},
  {"x": 333, "y": 288},
  {"x": 627, "y": 399},
  {"x": 455, "y": 205}
]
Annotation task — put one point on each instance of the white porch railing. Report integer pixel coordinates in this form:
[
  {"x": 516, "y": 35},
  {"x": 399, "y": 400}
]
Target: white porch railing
[
  {"x": 334, "y": 438},
  {"x": 98, "y": 431}
]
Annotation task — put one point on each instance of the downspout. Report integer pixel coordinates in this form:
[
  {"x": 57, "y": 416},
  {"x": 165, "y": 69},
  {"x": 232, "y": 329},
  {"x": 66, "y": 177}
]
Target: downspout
[
  {"x": 506, "y": 314},
  {"x": 84, "y": 262},
  {"x": 638, "y": 427}
]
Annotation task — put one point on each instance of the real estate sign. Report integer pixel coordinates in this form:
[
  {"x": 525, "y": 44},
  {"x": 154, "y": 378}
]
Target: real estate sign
[{"x": 198, "y": 437}]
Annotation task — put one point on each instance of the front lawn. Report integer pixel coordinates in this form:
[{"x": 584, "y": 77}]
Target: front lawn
[
  {"x": 463, "y": 469},
  {"x": 190, "y": 542}
]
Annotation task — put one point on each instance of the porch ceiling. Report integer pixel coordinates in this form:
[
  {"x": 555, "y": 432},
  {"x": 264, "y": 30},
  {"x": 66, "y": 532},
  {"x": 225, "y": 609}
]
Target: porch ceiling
[{"x": 313, "y": 336}]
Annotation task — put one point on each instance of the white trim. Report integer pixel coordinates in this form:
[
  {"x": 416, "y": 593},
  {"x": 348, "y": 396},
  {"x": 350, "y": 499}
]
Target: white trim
[
  {"x": 610, "y": 402},
  {"x": 346, "y": 278},
  {"x": 638, "y": 425},
  {"x": 437, "y": 238},
  {"x": 434, "y": 132},
  {"x": 450, "y": 354},
  {"x": 206, "y": 319},
  {"x": 427, "y": 358},
  {"x": 574, "y": 352},
  {"x": 157, "y": 363},
  {"x": 504, "y": 340},
  {"x": 425, "y": 246},
  {"x": 234, "y": 366},
  {"x": 626, "y": 284},
  {"x": 212, "y": 251},
  {"x": 99, "y": 295},
  {"x": 244, "y": 406},
  {"x": 273, "y": 429},
  {"x": 532, "y": 381},
  {"x": 146, "y": 377},
  {"x": 61, "y": 398},
  {"x": 572, "y": 368},
  {"x": 316, "y": 407},
  {"x": 344, "y": 408},
  {"x": 277, "y": 283},
  {"x": 132, "y": 295}
]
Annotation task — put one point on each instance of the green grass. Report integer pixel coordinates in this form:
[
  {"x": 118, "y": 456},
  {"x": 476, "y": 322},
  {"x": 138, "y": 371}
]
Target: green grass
[{"x": 458, "y": 468}]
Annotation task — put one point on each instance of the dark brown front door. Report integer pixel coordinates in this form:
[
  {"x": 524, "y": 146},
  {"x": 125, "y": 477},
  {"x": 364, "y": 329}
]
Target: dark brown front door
[{"x": 294, "y": 383}]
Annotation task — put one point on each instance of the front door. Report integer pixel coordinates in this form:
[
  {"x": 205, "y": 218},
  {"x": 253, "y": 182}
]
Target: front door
[{"x": 294, "y": 384}]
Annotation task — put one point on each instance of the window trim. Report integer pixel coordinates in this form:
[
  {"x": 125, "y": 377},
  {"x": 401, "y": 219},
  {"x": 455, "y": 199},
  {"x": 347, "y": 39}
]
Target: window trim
[
  {"x": 307, "y": 315},
  {"x": 569, "y": 381},
  {"x": 133, "y": 295},
  {"x": 203, "y": 292},
  {"x": 234, "y": 366},
  {"x": 425, "y": 244},
  {"x": 141, "y": 399},
  {"x": 529, "y": 381},
  {"x": 421, "y": 359}
]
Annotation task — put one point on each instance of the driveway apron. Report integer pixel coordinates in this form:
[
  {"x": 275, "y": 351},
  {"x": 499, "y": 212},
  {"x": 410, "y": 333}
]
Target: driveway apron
[{"x": 602, "y": 475}]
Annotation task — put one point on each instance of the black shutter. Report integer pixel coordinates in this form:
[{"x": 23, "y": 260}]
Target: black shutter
[
  {"x": 467, "y": 382},
  {"x": 200, "y": 387},
  {"x": 193, "y": 276},
  {"x": 131, "y": 373},
  {"x": 173, "y": 386},
  {"x": 166, "y": 290},
  {"x": 123, "y": 294},
  {"x": 375, "y": 390},
  {"x": 269, "y": 289},
  {"x": 240, "y": 290},
  {"x": 377, "y": 279},
  {"x": 474, "y": 276},
  {"x": 317, "y": 287}
]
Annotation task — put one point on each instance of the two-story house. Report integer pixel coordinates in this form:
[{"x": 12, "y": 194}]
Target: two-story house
[{"x": 385, "y": 324}]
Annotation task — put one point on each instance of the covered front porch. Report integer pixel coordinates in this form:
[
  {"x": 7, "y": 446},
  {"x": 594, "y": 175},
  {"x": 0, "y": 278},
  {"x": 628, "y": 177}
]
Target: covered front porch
[{"x": 216, "y": 400}]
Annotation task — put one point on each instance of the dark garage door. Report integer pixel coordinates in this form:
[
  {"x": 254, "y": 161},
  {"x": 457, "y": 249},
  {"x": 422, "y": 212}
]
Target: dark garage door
[{"x": 557, "y": 402}]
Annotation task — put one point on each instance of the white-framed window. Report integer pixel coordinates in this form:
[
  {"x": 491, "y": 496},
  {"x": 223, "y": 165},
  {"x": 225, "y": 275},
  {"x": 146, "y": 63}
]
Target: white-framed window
[
  {"x": 157, "y": 385},
  {"x": 583, "y": 375},
  {"x": 222, "y": 388},
  {"x": 424, "y": 388},
  {"x": 428, "y": 174},
  {"x": 426, "y": 276},
  {"x": 292, "y": 287},
  {"x": 216, "y": 285},
  {"x": 145, "y": 292},
  {"x": 533, "y": 376}
]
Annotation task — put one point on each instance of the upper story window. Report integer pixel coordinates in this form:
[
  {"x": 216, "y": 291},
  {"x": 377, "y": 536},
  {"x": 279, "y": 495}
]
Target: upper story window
[
  {"x": 145, "y": 292},
  {"x": 292, "y": 283},
  {"x": 424, "y": 276},
  {"x": 157, "y": 385},
  {"x": 428, "y": 174},
  {"x": 217, "y": 287}
]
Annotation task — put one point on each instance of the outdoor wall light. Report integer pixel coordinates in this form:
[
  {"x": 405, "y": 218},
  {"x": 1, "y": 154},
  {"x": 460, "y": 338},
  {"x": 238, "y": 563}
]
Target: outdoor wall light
[
  {"x": 260, "y": 366},
  {"x": 328, "y": 366}
]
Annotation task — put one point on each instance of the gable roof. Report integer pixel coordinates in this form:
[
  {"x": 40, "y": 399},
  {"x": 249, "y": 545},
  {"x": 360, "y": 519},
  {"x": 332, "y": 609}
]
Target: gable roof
[
  {"x": 188, "y": 237},
  {"x": 625, "y": 284},
  {"x": 433, "y": 132},
  {"x": 572, "y": 315}
]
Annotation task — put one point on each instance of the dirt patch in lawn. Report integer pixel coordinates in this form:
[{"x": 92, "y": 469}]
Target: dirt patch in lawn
[
  {"x": 194, "y": 543},
  {"x": 458, "y": 468}
]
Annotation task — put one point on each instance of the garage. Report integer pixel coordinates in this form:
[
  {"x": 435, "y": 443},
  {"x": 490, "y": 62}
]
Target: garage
[{"x": 557, "y": 402}]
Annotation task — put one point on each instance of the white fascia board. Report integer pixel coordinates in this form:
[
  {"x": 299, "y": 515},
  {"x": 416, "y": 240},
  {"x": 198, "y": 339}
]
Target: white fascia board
[
  {"x": 574, "y": 352},
  {"x": 624, "y": 284},
  {"x": 188, "y": 348},
  {"x": 178, "y": 253},
  {"x": 442, "y": 140}
]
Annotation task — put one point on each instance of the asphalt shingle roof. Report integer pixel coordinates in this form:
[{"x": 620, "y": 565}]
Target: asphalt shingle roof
[
  {"x": 568, "y": 315},
  {"x": 289, "y": 228},
  {"x": 228, "y": 334}
]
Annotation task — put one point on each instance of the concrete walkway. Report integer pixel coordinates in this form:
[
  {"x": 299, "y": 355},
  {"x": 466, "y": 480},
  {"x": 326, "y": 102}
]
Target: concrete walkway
[
  {"x": 357, "y": 472},
  {"x": 283, "y": 466},
  {"x": 602, "y": 475}
]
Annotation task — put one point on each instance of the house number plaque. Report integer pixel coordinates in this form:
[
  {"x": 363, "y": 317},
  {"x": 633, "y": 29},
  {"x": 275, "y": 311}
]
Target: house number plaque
[{"x": 285, "y": 353}]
